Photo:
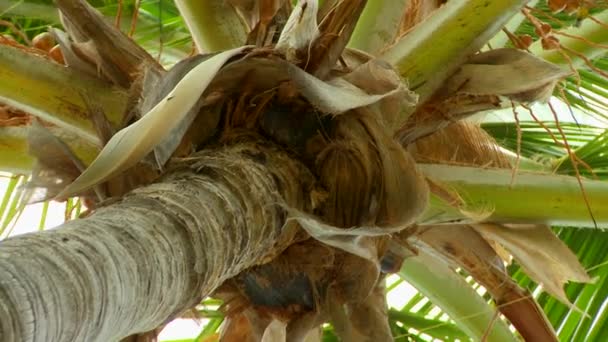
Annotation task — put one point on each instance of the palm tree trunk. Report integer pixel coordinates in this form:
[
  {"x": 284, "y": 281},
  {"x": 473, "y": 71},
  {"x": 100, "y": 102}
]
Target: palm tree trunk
[{"x": 137, "y": 263}]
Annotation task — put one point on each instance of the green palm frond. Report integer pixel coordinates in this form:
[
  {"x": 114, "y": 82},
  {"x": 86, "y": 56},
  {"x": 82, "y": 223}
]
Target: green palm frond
[{"x": 11, "y": 208}]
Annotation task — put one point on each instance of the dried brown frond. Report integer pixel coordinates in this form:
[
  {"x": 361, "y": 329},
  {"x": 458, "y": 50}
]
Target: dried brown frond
[
  {"x": 462, "y": 246},
  {"x": 115, "y": 54},
  {"x": 336, "y": 28},
  {"x": 488, "y": 80}
]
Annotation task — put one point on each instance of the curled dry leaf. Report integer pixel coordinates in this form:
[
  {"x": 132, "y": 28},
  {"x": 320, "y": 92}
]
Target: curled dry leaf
[
  {"x": 131, "y": 144},
  {"x": 544, "y": 257},
  {"x": 358, "y": 241},
  {"x": 56, "y": 164},
  {"x": 300, "y": 30},
  {"x": 336, "y": 96},
  {"x": 154, "y": 92},
  {"x": 379, "y": 77},
  {"x": 339, "y": 95},
  {"x": 513, "y": 73},
  {"x": 169, "y": 118}
]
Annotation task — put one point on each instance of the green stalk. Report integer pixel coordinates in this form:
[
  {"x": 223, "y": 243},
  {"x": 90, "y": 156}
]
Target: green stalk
[
  {"x": 377, "y": 25},
  {"x": 13, "y": 151},
  {"x": 53, "y": 92},
  {"x": 591, "y": 36},
  {"x": 436, "y": 47},
  {"x": 214, "y": 24},
  {"x": 14, "y": 156},
  {"x": 455, "y": 297},
  {"x": 533, "y": 197}
]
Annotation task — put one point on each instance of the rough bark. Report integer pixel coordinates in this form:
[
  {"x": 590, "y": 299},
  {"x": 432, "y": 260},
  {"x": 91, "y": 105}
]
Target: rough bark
[{"x": 135, "y": 264}]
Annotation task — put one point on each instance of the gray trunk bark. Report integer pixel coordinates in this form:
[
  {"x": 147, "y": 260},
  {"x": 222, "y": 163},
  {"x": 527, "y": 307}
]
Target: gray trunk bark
[{"x": 137, "y": 263}]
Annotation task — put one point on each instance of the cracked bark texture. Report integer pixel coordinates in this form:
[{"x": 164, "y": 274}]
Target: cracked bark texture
[{"x": 135, "y": 264}]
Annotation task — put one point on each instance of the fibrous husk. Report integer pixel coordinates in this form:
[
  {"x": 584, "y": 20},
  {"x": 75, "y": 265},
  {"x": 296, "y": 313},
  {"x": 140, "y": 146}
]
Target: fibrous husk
[
  {"x": 462, "y": 143},
  {"x": 287, "y": 290},
  {"x": 371, "y": 179},
  {"x": 365, "y": 320},
  {"x": 251, "y": 326}
]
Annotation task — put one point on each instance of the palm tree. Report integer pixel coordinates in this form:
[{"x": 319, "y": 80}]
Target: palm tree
[{"x": 288, "y": 168}]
